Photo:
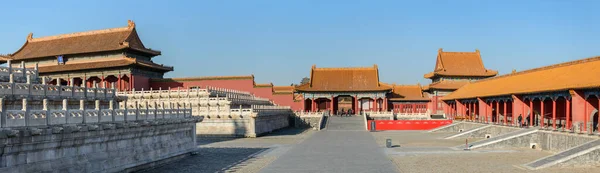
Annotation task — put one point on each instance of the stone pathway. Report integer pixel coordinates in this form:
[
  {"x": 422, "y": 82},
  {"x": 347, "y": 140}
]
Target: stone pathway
[{"x": 345, "y": 146}]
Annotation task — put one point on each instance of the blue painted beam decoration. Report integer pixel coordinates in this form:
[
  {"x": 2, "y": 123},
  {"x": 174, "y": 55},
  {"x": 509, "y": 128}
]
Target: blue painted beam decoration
[
  {"x": 551, "y": 95},
  {"x": 591, "y": 92}
]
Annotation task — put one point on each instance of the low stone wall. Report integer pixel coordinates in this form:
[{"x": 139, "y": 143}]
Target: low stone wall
[
  {"x": 460, "y": 125},
  {"x": 381, "y": 117},
  {"x": 307, "y": 121},
  {"x": 267, "y": 124},
  {"x": 545, "y": 140},
  {"x": 560, "y": 141},
  {"x": 242, "y": 126},
  {"x": 225, "y": 127},
  {"x": 119, "y": 147},
  {"x": 491, "y": 130},
  {"x": 589, "y": 159}
]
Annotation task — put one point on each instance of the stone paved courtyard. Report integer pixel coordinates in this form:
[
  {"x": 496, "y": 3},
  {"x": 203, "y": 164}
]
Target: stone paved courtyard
[{"x": 345, "y": 147}]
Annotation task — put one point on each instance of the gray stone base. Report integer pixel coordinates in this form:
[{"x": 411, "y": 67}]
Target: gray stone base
[{"x": 78, "y": 148}]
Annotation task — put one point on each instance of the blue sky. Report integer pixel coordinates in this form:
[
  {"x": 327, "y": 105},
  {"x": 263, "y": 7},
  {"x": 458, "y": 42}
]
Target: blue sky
[{"x": 278, "y": 41}]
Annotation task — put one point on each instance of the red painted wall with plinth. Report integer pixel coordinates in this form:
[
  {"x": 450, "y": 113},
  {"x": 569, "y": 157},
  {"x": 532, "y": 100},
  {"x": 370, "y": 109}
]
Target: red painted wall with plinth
[
  {"x": 239, "y": 84},
  {"x": 408, "y": 124}
]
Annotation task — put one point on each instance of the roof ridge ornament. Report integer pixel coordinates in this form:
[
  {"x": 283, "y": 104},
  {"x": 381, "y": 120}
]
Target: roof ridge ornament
[
  {"x": 130, "y": 24},
  {"x": 30, "y": 36},
  {"x": 125, "y": 44}
]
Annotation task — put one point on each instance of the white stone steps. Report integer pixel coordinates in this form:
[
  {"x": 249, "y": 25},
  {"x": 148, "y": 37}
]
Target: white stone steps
[
  {"x": 445, "y": 127},
  {"x": 499, "y": 138},
  {"x": 564, "y": 155},
  {"x": 467, "y": 132}
]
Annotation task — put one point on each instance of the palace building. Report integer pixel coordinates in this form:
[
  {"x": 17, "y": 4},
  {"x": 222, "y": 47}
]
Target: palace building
[
  {"x": 565, "y": 95},
  {"x": 453, "y": 70},
  {"x": 109, "y": 56},
  {"x": 351, "y": 88},
  {"x": 117, "y": 57}
]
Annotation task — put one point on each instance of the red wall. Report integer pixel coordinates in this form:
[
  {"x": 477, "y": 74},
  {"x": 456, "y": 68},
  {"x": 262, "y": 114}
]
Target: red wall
[
  {"x": 408, "y": 124},
  {"x": 239, "y": 84},
  {"x": 288, "y": 100},
  {"x": 141, "y": 82}
]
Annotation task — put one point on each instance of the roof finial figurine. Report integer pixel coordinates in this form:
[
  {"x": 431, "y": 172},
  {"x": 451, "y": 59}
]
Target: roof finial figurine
[
  {"x": 130, "y": 24},
  {"x": 440, "y": 50},
  {"x": 30, "y": 36},
  {"x": 477, "y": 50},
  {"x": 514, "y": 71}
]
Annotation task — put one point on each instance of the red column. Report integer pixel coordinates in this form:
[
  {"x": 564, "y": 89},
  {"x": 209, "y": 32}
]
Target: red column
[
  {"x": 505, "y": 114},
  {"x": 414, "y": 107},
  {"x": 356, "y": 104},
  {"x": 331, "y": 109},
  {"x": 132, "y": 82},
  {"x": 522, "y": 112},
  {"x": 585, "y": 116},
  {"x": 554, "y": 114},
  {"x": 454, "y": 110},
  {"x": 542, "y": 113},
  {"x": 512, "y": 117},
  {"x": 568, "y": 121},
  {"x": 598, "y": 113},
  {"x": 468, "y": 112},
  {"x": 486, "y": 112},
  {"x": 531, "y": 113},
  {"x": 385, "y": 104},
  {"x": 119, "y": 84},
  {"x": 497, "y": 112},
  {"x": 312, "y": 105},
  {"x": 303, "y": 104}
]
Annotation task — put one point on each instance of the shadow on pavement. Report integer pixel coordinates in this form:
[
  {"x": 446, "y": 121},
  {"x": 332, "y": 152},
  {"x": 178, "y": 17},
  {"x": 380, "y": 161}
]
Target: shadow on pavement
[
  {"x": 288, "y": 131},
  {"x": 208, "y": 160}
]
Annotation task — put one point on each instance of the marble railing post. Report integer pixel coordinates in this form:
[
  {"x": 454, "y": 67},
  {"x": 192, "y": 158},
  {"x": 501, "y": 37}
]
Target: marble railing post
[
  {"x": 82, "y": 108},
  {"x": 125, "y": 107},
  {"x": 23, "y": 66},
  {"x": 64, "y": 108},
  {"x": 2, "y": 112},
  {"x": 58, "y": 82},
  {"x": 146, "y": 108},
  {"x": 26, "y": 112},
  {"x": 111, "y": 105},
  {"x": 9, "y": 65},
  {"x": 45, "y": 108},
  {"x": 155, "y": 110},
  {"x": 44, "y": 80},
  {"x": 177, "y": 110},
  {"x": 37, "y": 70},
  {"x": 184, "y": 108},
  {"x": 137, "y": 110},
  {"x": 97, "y": 108}
]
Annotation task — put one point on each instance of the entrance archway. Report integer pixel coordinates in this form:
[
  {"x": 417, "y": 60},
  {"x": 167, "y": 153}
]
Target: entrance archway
[{"x": 344, "y": 103}]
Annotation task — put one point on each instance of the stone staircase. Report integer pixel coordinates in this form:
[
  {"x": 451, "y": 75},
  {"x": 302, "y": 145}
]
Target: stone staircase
[
  {"x": 467, "y": 132},
  {"x": 499, "y": 138},
  {"x": 444, "y": 127},
  {"x": 354, "y": 123},
  {"x": 567, "y": 155}
]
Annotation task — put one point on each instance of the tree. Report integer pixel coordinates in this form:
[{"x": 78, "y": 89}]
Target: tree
[{"x": 304, "y": 80}]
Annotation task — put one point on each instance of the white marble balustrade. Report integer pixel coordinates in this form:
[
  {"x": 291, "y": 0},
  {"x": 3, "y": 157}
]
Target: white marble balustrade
[{"x": 32, "y": 118}]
